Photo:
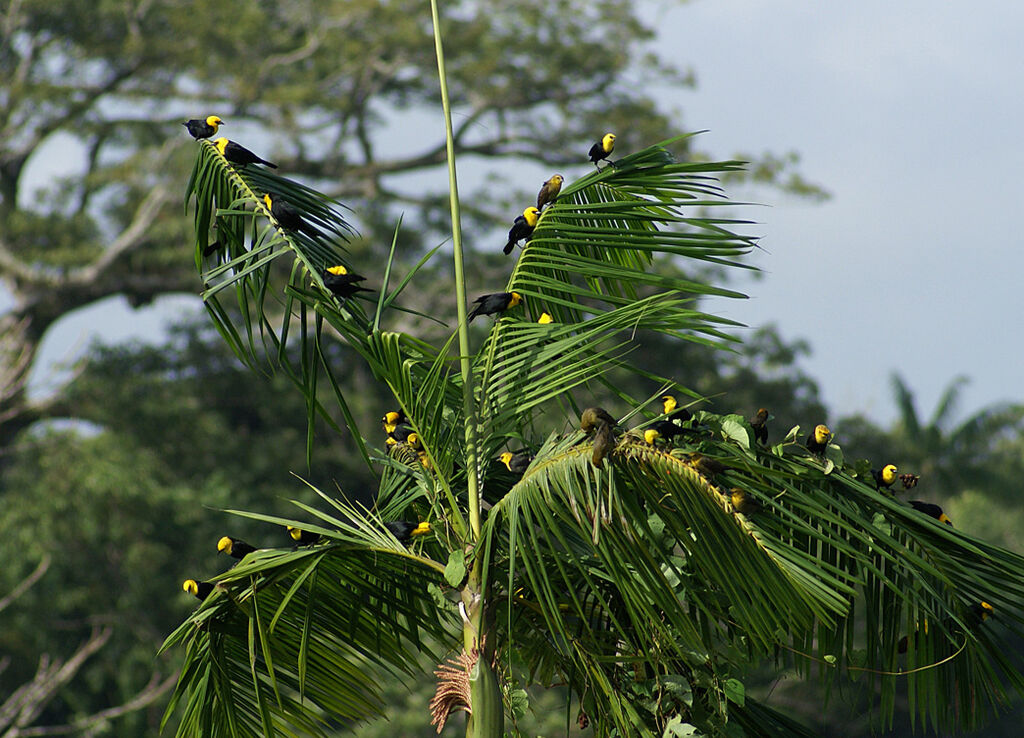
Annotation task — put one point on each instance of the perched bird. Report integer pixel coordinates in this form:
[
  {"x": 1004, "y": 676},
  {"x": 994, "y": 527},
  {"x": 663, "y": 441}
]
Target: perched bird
[
  {"x": 549, "y": 191},
  {"x": 707, "y": 466},
  {"x": 602, "y": 149},
  {"x": 392, "y": 419},
  {"x": 413, "y": 441},
  {"x": 405, "y": 531},
  {"x": 239, "y": 154},
  {"x": 343, "y": 283},
  {"x": 651, "y": 435},
  {"x": 884, "y": 477},
  {"x": 909, "y": 480},
  {"x": 742, "y": 502},
  {"x": 975, "y": 615},
  {"x": 760, "y": 425},
  {"x": 522, "y": 227},
  {"x": 931, "y": 510},
  {"x": 516, "y": 463},
  {"x": 593, "y": 417},
  {"x": 661, "y": 429},
  {"x": 302, "y": 537},
  {"x": 203, "y": 128},
  {"x": 287, "y": 215},
  {"x": 400, "y": 434},
  {"x": 199, "y": 590},
  {"x": 671, "y": 408},
  {"x": 545, "y": 319},
  {"x": 604, "y": 440},
  {"x": 818, "y": 440},
  {"x": 236, "y": 548},
  {"x": 496, "y": 302}
]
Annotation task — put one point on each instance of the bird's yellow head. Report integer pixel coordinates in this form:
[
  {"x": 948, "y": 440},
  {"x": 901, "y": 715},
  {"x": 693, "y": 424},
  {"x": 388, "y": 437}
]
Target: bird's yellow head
[
  {"x": 215, "y": 121},
  {"x": 651, "y": 435},
  {"x": 762, "y": 414},
  {"x": 506, "y": 459},
  {"x": 295, "y": 533},
  {"x": 191, "y": 586},
  {"x": 556, "y": 180},
  {"x": 267, "y": 201},
  {"x": 889, "y": 473},
  {"x": 390, "y": 420},
  {"x": 337, "y": 271},
  {"x": 545, "y": 318},
  {"x": 943, "y": 518},
  {"x": 516, "y": 297},
  {"x": 737, "y": 496},
  {"x": 531, "y": 214},
  {"x": 822, "y": 434},
  {"x": 421, "y": 529},
  {"x": 221, "y": 144},
  {"x": 986, "y": 610},
  {"x": 424, "y": 459},
  {"x": 224, "y": 545},
  {"x": 668, "y": 404},
  {"x": 608, "y": 142},
  {"x": 414, "y": 441}
]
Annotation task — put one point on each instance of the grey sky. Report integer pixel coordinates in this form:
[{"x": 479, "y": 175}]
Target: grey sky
[{"x": 909, "y": 114}]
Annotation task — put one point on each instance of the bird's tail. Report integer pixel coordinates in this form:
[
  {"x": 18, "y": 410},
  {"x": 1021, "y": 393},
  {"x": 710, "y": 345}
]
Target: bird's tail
[{"x": 508, "y": 247}]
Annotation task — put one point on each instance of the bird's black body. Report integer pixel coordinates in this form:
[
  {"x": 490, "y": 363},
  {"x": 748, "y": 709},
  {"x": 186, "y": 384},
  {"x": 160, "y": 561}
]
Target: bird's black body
[
  {"x": 285, "y": 214},
  {"x": 401, "y": 433},
  {"x": 666, "y": 428},
  {"x": 602, "y": 149},
  {"x": 816, "y": 446},
  {"x": 201, "y": 128},
  {"x": 520, "y": 230},
  {"x": 236, "y": 548},
  {"x": 518, "y": 463},
  {"x": 237, "y": 154},
  {"x": 199, "y": 590},
  {"x": 497, "y": 302},
  {"x": 344, "y": 285},
  {"x": 931, "y": 510},
  {"x": 403, "y": 530},
  {"x": 303, "y": 537}
]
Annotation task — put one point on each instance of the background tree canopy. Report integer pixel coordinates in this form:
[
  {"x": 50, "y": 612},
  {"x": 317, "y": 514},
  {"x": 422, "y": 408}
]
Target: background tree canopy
[{"x": 116, "y": 498}]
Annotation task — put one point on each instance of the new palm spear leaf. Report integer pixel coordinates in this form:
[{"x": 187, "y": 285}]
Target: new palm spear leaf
[{"x": 638, "y": 585}]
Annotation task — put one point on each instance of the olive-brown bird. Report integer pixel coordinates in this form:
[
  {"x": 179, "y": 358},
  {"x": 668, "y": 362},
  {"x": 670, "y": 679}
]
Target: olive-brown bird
[
  {"x": 203, "y": 128},
  {"x": 818, "y": 440},
  {"x": 236, "y": 548},
  {"x": 302, "y": 537},
  {"x": 604, "y": 441},
  {"x": 760, "y": 425},
  {"x": 343, "y": 283},
  {"x": 237, "y": 154},
  {"x": 671, "y": 408},
  {"x": 931, "y": 510},
  {"x": 405, "y": 531},
  {"x": 884, "y": 477},
  {"x": 707, "y": 466},
  {"x": 497, "y": 302},
  {"x": 516, "y": 463},
  {"x": 199, "y": 590},
  {"x": 592, "y": 417},
  {"x": 602, "y": 149},
  {"x": 522, "y": 227},
  {"x": 743, "y": 503},
  {"x": 549, "y": 191}
]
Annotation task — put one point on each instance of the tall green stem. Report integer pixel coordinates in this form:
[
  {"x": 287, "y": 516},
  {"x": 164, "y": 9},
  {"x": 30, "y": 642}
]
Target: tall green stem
[{"x": 468, "y": 407}]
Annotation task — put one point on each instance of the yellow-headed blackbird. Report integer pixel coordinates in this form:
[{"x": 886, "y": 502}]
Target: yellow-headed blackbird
[
  {"x": 236, "y": 548},
  {"x": 549, "y": 191},
  {"x": 665, "y": 429},
  {"x": 760, "y": 425},
  {"x": 516, "y": 463},
  {"x": 671, "y": 408},
  {"x": 593, "y": 417},
  {"x": 521, "y": 228},
  {"x": 931, "y": 510},
  {"x": 303, "y": 537},
  {"x": 707, "y": 466},
  {"x": 400, "y": 434},
  {"x": 203, "y": 128},
  {"x": 343, "y": 283},
  {"x": 414, "y": 442},
  {"x": 286, "y": 215},
  {"x": 651, "y": 435},
  {"x": 975, "y": 615},
  {"x": 199, "y": 590},
  {"x": 545, "y": 318},
  {"x": 239, "y": 154},
  {"x": 602, "y": 149},
  {"x": 742, "y": 502},
  {"x": 885, "y": 476},
  {"x": 496, "y": 302},
  {"x": 392, "y": 419},
  {"x": 818, "y": 440},
  {"x": 604, "y": 440},
  {"x": 909, "y": 480},
  {"x": 405, "y": 531}
]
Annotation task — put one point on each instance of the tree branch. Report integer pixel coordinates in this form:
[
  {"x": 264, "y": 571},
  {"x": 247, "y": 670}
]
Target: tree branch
[{"x": 25, "y": 583}]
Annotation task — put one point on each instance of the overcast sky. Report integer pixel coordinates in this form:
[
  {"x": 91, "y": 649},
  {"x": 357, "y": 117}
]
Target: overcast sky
[{"x": 909, "y": 114}]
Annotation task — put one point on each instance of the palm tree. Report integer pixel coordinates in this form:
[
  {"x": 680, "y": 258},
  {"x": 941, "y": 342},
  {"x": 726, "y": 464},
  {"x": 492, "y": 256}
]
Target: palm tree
[{"x": 640, "y": 585}]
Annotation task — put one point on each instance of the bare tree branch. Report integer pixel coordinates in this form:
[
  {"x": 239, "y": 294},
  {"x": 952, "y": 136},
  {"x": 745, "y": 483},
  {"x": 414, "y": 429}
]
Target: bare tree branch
[{"x": 27, "y": 582}]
